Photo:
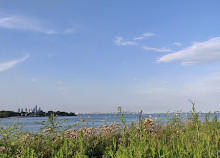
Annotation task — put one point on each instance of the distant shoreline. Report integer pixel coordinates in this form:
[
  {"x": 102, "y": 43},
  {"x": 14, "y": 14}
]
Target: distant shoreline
[{"x": 7, "y": 114}]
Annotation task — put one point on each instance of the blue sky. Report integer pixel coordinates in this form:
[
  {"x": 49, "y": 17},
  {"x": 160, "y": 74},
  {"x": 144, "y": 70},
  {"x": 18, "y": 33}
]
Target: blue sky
[{"x": 93, "y": 56}]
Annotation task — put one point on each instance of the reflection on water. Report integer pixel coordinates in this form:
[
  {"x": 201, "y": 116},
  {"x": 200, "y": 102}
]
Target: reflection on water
[{"x": 94, "y": 120}]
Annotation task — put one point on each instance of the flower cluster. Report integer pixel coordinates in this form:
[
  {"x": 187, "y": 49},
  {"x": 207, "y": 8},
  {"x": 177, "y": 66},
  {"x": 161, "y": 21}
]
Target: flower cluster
[{"x": 148, "y": 124}]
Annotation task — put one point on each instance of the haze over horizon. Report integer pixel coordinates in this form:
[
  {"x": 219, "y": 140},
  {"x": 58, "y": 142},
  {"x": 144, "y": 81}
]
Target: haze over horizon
[{"x": 94, "y": 56}]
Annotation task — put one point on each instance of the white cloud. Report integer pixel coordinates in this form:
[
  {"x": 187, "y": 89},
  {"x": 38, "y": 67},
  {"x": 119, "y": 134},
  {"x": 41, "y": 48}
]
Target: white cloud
[
  {"x": 177, "y": 44},
  {"x": 12, "y": 63},
  {"x": 198, "y": 53},
  {"x": 23, "y": 23},
  {"x": 121, "y": 42},
  {"x": 157, "y": 49},
  {"x": 143, "y": 36},
  {"x": 15, "y": 22}
]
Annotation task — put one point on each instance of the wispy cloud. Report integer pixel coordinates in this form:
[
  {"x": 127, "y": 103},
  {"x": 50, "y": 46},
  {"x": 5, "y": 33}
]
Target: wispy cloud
[
  {"x": 198, "y": 53},
  {"x": 177, "y": 44},
  {"x": 23, "y": 23},
  {"x": 157, "y": 49},
  {"x": 10, "y": 64},
  {"x": 145, "y": 35},
  {"x": 120, "y": 41},
  {"x": 15, "y": 22}
]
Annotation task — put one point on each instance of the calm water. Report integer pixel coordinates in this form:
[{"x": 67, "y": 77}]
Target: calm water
[{"x": 92, "y": 120}]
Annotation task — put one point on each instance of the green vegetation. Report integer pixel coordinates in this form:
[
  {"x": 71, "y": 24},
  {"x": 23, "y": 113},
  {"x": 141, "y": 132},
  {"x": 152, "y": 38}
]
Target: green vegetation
[
  {"x": 4, "y": 114},
  {"x": 8, "y": 114},
  {"x": 189, "y": 138}
]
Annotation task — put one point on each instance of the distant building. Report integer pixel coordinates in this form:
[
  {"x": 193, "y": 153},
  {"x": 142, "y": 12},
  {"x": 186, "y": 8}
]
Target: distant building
[
  {"x": 35, "y": 109},
  {"x": 26, "y": 110}
]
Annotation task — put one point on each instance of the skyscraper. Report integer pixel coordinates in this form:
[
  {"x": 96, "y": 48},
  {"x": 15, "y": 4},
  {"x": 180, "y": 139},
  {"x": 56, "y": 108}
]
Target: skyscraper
[{"x": 35, "y": 109}]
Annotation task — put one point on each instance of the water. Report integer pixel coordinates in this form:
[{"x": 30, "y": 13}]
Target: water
[{"x": 90, "y": 120}]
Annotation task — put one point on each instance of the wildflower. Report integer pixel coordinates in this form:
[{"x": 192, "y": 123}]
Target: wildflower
[{"x": 148, "y": 123}]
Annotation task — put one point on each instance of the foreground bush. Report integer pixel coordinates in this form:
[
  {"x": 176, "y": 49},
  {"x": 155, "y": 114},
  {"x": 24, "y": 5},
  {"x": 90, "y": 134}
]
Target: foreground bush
[{"x": 191, "y": 138}]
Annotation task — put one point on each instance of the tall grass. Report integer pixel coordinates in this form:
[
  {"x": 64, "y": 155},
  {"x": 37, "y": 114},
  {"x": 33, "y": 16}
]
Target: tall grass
[{"x": 176, "y": 138}]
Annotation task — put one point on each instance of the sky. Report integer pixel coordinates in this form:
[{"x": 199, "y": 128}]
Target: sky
[{"x": 94, "y": 56}]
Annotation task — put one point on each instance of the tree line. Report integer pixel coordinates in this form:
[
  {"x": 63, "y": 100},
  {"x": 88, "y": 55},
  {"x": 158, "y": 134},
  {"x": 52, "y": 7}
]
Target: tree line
[{"x": 4, "y": 114}]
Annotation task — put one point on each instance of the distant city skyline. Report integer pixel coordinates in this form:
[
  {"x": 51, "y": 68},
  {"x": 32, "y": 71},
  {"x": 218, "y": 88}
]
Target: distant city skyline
[
  {"x": 35, "y": 109},
  {"x": 94, "y": 56}
]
